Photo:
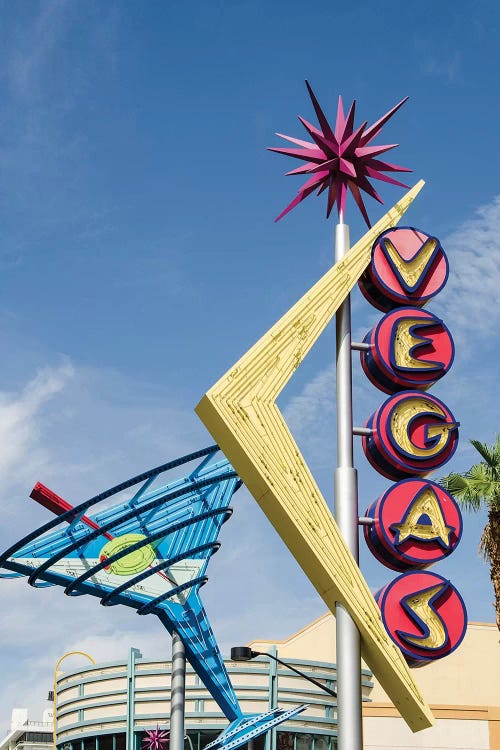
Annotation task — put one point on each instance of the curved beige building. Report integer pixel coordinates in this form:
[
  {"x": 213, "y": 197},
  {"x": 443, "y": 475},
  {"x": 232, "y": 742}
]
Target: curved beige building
[
  {"x": 109, "y": 706},
  {"x": 462, "y": 689}
]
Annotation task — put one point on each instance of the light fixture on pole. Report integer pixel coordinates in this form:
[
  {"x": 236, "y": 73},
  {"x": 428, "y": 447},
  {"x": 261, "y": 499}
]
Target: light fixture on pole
[{"x": 245, "y": 653}]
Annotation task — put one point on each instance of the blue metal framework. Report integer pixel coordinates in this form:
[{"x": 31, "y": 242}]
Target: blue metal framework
[{"x": 151, "y": 553}]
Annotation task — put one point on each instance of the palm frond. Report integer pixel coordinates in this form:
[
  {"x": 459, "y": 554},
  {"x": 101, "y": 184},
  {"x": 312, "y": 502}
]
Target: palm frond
[
  {"x": 480, "y": 485},
  {"x": 463, "y": 490},
  {"x": 455, "y": 483},
  {"x": 481, "y": 482},
  {"x": 489, "y": 455}
]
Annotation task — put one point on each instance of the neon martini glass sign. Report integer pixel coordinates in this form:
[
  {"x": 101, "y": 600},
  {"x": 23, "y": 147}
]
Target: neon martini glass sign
[{"x": 149, "y": 551}]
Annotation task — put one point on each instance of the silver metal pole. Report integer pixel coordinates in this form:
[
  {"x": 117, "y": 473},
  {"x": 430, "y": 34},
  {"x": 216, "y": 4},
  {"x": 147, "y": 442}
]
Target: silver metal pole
[
  {"x": 271, "y": 736},
  {"x": 349, "y": 722},
  {"x": 177, "y": 693}
]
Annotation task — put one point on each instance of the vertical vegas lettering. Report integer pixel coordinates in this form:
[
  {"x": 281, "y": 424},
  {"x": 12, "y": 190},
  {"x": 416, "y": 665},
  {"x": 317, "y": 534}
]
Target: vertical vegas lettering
[{"x": 415, "y": 523}]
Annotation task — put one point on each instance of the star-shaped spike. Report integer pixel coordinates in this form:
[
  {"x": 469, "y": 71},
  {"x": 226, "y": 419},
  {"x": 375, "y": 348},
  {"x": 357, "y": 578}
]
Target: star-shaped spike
[
  {"x": 377, "y": 126},
  {"x": 155, "y": 739},
  {"x": 349, "y": 125},
  {"x": 328, "y": 146},
  {"x": 325, "y": 127},
  {"x": 339, "y": 159},
  {"x": 297, "y": 141}
]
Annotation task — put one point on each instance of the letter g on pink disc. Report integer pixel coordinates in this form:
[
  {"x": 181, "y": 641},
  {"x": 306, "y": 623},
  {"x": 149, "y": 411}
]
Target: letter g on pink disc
[{"x": 413, "y": 433}]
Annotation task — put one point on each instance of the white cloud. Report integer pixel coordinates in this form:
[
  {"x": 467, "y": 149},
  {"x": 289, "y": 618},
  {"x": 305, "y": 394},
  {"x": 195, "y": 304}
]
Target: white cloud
[
  {"x": 470, "y": 298},
  {"x": 20, "y": 423},
  {"x": 39, "y": 626},
  {"x": 80, "y": 430},
  {"x": 77, "y": 430},
  {"x": 310, "y": 416}
]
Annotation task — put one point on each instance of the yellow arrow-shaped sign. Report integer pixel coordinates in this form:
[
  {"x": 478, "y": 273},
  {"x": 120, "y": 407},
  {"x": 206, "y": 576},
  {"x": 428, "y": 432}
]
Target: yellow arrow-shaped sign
[{"x": 241, "y": 413}]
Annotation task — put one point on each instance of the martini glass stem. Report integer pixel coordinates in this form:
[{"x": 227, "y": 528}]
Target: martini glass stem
[{"x": 348, "y": 648}]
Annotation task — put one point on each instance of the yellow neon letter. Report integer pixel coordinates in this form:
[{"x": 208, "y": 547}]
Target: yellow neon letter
[
  {"x": 406, "y": 343},
  {"x": 437, "y": 635},
  {"x": 411, "y": 271},
  {"x": 426, "y": 503},
  {"x": 439, "y": 435}
]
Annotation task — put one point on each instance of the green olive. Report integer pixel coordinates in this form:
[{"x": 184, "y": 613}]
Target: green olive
[{"x": 131, "y": 564}]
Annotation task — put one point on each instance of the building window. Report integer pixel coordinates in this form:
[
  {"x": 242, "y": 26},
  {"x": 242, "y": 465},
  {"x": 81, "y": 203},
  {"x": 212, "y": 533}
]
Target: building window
[
  {"x": 106, "y": 742},
  {"x": 303, "y": 741},
  {"x": 322, "y": 742},
  {"x": 285, "y": 741},
  {"x": 36, "y": 737},
  {"x": 206, "y": 737}
]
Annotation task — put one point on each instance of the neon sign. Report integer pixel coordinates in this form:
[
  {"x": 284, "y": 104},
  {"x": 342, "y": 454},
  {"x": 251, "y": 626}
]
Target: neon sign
[
  {"x": 424, "y": 615},
  {"x": 415, "y": 523},
  {"x": 241, "y": 412},
  {"x": 149, "y": 551},
  {"x": 409, "y": 348},
  {"x": 408, "y": 268},
  {"x": 412, "y": 434}
]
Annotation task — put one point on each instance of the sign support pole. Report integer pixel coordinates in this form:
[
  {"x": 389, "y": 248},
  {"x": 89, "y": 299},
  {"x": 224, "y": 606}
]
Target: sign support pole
[
  {"x": 177, "y": 693},
  {"x": 349, "y": 720}
]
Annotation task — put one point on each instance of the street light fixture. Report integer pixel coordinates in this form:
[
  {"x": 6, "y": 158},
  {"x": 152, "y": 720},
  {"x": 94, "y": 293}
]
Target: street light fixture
[{"x": 245, "y": 653}]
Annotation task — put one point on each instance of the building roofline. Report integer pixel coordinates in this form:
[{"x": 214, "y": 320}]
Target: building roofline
[{"x": 318, "y": 620}]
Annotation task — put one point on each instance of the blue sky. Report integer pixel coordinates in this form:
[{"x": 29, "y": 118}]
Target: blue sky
[{"x": 139, "y": 260}]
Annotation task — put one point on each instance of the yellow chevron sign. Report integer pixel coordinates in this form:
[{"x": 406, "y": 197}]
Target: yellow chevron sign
[{"x": 241, "y": 414}]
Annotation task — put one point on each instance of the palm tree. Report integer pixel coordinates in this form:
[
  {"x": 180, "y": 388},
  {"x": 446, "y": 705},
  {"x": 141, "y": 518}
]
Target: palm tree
[{"x": 479, "y": 487}]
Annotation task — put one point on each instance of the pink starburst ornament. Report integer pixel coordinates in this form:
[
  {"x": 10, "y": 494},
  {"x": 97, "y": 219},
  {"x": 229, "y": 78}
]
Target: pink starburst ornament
[
  {"x": 341, "y": 159},
  {"x": 156, "y": 739}
]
